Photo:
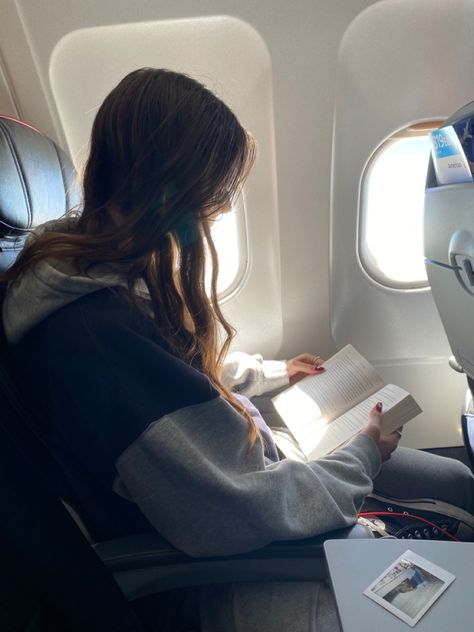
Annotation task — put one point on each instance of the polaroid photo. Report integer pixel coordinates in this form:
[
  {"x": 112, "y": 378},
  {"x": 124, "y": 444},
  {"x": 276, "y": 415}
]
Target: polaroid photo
[{"x": 409, "y": 587}]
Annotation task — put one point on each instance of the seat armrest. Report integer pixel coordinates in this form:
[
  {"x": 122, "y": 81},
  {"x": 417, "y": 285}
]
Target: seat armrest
[{"x": 146, "y": 563}]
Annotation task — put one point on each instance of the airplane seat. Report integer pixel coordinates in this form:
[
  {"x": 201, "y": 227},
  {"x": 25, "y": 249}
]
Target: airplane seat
[
  {"x": 65, "y": 580},
  {"x": 449, "y": 245},
  {"x": 37, "y": 183},
  {"x": 50, "y": 578}
]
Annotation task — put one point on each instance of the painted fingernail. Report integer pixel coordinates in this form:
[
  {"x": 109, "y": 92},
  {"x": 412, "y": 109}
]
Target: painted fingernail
[
  {"x": 378, "y": 406},
  {"x": 319, "y": 369}
]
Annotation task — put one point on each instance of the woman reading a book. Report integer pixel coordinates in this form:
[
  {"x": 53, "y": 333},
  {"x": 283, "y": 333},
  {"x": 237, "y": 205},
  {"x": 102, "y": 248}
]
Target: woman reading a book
[{"x": 118, "y": 344}]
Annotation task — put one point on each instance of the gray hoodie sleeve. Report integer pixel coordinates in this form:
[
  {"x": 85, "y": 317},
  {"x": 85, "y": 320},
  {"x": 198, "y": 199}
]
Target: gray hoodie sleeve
[
  {"x": 252, "y": 375},
  {"x": 194, "y": 476}
]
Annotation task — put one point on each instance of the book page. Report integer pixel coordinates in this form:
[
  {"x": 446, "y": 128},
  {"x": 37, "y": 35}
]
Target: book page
[
  {"x": 398, "y": 408},
  {"x": 400, "y": 413},
  {"x": 318, "y": 399}
]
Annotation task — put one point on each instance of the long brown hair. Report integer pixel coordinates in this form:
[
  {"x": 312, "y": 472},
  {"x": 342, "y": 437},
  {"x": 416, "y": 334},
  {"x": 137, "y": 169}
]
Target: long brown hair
[{"x": 166, "y": 156}]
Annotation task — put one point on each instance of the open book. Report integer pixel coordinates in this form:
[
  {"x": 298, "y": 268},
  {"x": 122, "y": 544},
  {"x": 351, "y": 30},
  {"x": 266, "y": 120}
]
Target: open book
[{"x": 324, "y": 411}]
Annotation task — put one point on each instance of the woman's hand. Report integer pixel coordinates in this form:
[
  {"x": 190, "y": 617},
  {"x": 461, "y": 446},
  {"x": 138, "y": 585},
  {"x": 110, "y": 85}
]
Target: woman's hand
[
  {"x": 385, "y": 443},
  {"x": 303, "y": 365}
]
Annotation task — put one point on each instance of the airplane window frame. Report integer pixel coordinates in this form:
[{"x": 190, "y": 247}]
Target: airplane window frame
[
  {"x": 153, "y": 44},
  {"x": 364, "y": 253}
]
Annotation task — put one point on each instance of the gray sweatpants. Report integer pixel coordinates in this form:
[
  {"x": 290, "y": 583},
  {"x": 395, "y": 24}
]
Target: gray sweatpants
[
  {"x": 412, "y": 473},
  {"x": 310, "y": 607}
]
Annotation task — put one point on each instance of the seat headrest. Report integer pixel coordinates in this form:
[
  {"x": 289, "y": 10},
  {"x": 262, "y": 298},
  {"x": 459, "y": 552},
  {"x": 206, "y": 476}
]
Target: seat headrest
[
  {"x": 458, "y": 120},
  {"x": 37, "y": 184}
]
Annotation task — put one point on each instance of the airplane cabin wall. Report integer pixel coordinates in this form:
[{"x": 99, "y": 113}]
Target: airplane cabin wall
[
  {"x": 396, "y": 68},
  {"x": 303, "y": 39}
]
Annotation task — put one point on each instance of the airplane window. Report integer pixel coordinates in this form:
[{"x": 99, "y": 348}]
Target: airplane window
[
  {"x": 228, "y": 234},
  {"x": 240, "y": 74},
  {"x": 391, "y": 209}
]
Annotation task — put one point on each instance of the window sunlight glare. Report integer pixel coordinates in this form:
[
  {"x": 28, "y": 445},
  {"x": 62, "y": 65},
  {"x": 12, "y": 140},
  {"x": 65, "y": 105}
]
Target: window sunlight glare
[{"x": 392, "y": 212}]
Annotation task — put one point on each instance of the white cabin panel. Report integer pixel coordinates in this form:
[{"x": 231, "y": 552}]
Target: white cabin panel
[
  {"x": 400, "y": 62},
  {"x": 228, "y": 56},
  {"x": 7, "y": 102},
  {"x": 302, "y": 39}
]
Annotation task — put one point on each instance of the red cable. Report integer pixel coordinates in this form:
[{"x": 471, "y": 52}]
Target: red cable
[{"x": 407, "y": 515}]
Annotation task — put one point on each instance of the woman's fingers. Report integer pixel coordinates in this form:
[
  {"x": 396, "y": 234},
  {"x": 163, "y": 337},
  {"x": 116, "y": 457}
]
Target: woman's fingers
[
  {"x": 304, "y": 367},
  {"x": 386, "y": 443},
  {"x": 310, "y": 358},
  {"x": 305, "y": 363}
]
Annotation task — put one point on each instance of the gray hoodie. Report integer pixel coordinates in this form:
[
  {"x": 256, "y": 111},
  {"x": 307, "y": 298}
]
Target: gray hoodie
[
  {"x": 181, "y": 445},
  {"x": 154, "y": 430}
]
